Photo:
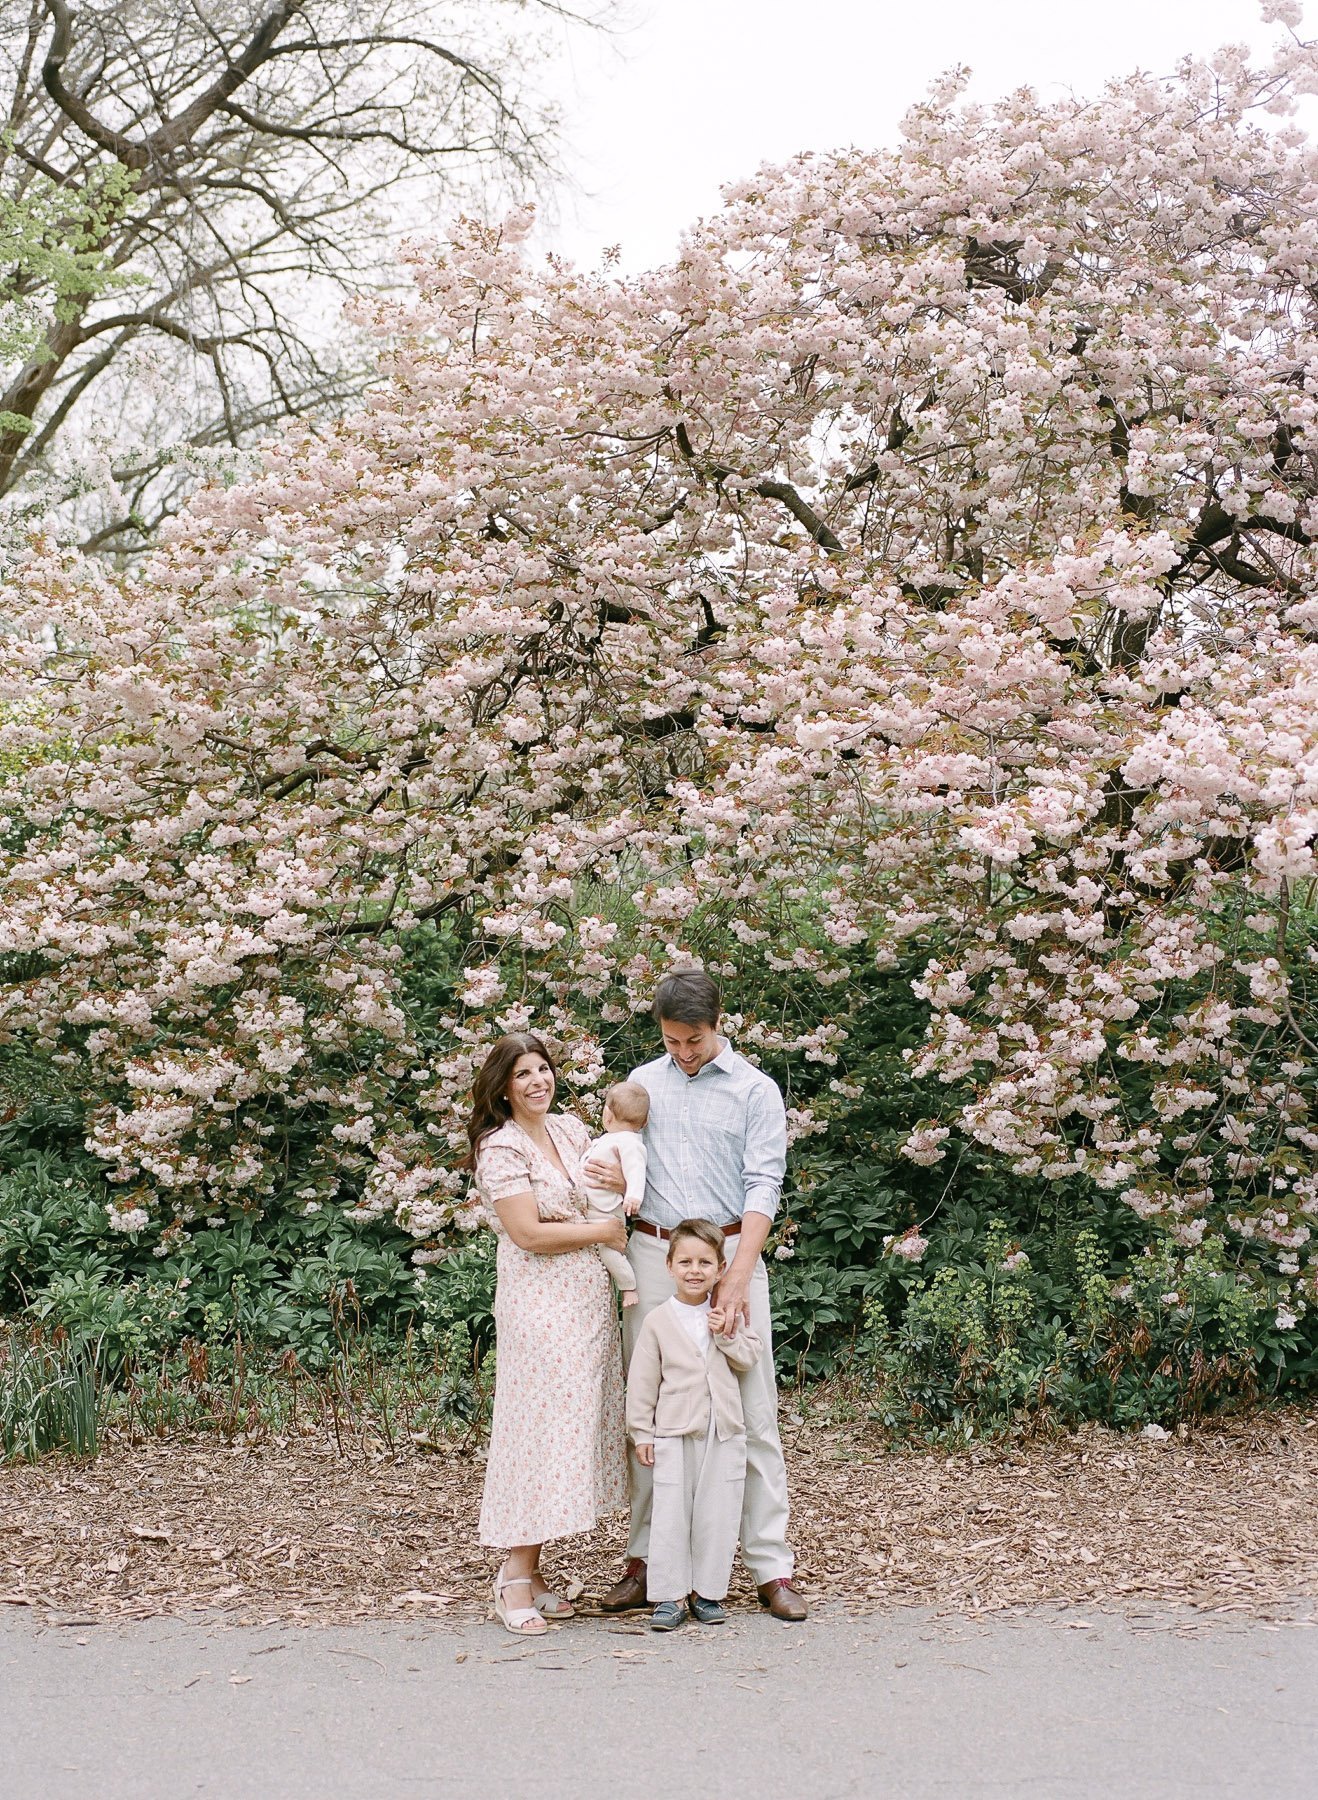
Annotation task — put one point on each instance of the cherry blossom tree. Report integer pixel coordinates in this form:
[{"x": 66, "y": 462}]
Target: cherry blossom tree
[{"x": 921, "y": 567}]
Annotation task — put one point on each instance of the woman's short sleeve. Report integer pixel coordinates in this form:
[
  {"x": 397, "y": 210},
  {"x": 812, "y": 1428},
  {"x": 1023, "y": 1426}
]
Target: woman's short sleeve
[{"x": 502, "y": 1169}]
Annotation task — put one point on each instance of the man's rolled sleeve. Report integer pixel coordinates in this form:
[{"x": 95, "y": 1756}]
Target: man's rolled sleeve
[{"x": 764, "y": 1162}]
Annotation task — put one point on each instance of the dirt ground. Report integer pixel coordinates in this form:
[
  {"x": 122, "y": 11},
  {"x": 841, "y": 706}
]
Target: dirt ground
[{"x": 1223, "y": 1519}]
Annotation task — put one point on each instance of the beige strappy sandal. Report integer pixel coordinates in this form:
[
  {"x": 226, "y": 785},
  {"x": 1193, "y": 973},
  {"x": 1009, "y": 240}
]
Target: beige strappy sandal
[
  {"x": 553, "y": 1606},
  {"x": 522, "y": 1621}
]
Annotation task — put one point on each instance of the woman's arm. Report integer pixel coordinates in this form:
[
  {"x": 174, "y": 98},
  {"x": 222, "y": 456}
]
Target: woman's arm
[{"x": 520, "y": 1218}]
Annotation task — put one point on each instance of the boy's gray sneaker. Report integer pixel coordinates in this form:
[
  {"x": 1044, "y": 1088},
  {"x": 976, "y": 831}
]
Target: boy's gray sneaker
[
  {"x": 668, "y": 1615},
  {"x": 707, "y": 1612}
]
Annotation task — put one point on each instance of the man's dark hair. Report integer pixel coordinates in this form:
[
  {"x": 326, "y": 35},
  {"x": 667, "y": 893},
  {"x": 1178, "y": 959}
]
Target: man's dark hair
[{"x": 690, "y": 998}]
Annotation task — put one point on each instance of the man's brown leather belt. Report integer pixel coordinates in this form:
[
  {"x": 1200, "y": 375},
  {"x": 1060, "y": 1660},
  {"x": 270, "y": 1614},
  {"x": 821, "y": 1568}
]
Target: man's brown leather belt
[{"x": 648, "y": 1230}]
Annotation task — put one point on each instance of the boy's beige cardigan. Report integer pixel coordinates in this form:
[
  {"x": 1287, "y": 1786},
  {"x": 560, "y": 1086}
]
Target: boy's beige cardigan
[{"x": 672, "y": 1382}]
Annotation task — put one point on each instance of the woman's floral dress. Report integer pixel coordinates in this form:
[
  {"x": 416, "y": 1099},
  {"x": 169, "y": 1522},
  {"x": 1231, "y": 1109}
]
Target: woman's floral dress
[{"x": 556, "y": 1460}]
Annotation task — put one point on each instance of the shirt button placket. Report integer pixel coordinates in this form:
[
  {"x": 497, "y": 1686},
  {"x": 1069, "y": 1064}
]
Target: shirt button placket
[{"x": 686, "y": 1140}]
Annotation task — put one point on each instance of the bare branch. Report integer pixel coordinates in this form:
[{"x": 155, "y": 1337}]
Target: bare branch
[
  {"x": 803, "y": 512},
  {"x": 270, "y": 144}
]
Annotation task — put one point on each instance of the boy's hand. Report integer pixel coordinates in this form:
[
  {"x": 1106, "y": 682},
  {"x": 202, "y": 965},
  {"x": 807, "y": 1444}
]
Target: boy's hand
[
  {"x": 645, "y": 1455},
  {"x": 716, "y": 1319}
]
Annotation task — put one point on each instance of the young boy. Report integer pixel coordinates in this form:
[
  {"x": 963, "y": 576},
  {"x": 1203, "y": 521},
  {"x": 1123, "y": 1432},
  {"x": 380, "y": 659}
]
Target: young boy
[
  {"x": 685, "y": 1418},
  {"x": 626, "y": 1108}
]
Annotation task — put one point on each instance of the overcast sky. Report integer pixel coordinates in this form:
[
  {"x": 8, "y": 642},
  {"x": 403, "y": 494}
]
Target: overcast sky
[{"x": 701, "y": 92}]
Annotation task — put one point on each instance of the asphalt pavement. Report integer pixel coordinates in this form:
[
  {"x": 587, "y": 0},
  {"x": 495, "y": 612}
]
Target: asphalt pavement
[{"x": 904, "y": 1705}]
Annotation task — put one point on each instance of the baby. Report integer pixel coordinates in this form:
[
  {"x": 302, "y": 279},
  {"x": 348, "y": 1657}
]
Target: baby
[{"x": 626, "y": 1108}]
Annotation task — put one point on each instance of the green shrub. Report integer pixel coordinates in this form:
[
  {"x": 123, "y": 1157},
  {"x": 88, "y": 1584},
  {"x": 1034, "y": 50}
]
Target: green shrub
[
  {"x": 993, "y": 1343},
  {"x": 188, "y": 1328},
  {"x": 286, "y": 1279},
  {"x": 955, "y": 1344},
  {"x": 459, "y": 1291}
]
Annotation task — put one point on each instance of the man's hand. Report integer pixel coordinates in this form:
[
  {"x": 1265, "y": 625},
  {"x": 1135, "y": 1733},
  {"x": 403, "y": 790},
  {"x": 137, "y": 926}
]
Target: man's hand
[
  {"x": 604, "y": 1172},
  {"x": 732, "y": 1299},
  {"x": 645, "y": 1455}
]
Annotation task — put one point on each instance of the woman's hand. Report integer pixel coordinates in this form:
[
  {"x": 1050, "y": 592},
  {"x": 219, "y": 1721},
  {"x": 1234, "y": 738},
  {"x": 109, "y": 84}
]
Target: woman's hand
[
  {"x": 612, "y": 1235},
  {"x": 645, "y": 1455}
]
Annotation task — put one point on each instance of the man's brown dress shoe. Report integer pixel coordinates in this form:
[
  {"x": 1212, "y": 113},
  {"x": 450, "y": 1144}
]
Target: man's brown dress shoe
[
  {"x": 782, "y": 1600},
  {"x": 629, "y": 1594}
]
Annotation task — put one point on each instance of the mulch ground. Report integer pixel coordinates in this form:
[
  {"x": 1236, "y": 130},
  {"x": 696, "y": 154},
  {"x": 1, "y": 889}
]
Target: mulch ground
[{"x": 1224, "y": 1519}]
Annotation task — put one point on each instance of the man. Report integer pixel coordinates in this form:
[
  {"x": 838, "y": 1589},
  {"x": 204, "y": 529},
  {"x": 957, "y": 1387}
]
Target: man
[{"x": 717, "y": 1150}]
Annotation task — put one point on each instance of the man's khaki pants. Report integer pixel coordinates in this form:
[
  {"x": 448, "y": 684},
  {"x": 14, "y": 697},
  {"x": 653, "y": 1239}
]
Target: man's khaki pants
[
  {"x": 695, "y": 1516},
  {"x": 764, "y": 1504}
]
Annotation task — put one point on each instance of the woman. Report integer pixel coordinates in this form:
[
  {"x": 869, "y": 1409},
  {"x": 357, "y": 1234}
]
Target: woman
[{"x": 556, "y": 1460}]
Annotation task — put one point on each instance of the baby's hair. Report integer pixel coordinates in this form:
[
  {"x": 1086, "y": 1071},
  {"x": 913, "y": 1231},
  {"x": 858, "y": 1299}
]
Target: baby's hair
[
  {"x": 628, "y": 1101},
  {"x": 697, "y": 1228}
]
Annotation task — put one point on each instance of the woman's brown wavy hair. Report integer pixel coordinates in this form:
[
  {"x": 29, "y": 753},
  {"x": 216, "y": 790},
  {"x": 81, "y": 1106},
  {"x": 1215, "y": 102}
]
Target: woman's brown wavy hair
[{"x": 489, "y": 1091}]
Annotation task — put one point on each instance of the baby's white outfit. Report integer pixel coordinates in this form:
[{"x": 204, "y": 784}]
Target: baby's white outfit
[{"x": 603, "y": 1203}]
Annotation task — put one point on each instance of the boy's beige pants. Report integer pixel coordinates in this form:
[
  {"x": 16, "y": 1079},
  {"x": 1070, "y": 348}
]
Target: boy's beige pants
[
  {"x": 696, "y": 1515},
  {"x": 764, "y": 1502}
]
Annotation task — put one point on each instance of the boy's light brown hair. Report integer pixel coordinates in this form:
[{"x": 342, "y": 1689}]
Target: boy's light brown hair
[
  {"x": 697, "y": 1228},
  {"x": 629, "y": 1102}
]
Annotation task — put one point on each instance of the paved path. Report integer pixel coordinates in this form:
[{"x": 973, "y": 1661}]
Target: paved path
[{"x": 906, "y": 1706}]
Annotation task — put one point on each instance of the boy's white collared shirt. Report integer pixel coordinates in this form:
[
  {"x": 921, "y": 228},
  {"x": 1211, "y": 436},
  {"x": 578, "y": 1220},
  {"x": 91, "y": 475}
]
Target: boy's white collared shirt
[{"x": 695, "y": 1320}]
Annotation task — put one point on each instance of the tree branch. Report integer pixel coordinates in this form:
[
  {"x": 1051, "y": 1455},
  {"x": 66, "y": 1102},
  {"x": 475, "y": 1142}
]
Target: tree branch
[
  {"x": 802, "y": 511},
  {"x": 161, "y": 144}
]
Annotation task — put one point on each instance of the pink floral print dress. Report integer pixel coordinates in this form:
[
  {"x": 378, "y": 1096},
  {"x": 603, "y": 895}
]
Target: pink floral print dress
[{"x": 556, "y": 1460}]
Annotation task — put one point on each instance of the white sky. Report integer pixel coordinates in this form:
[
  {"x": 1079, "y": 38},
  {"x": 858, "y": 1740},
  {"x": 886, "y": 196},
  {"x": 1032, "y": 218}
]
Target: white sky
[{"x": 701, "y": 92}]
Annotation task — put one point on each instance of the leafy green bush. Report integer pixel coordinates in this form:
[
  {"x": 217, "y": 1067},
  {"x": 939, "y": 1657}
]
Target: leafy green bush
[
  {"x": 266, "y": 1323},
  {"x": 292, "y": 1281},
  {"x": 993, "y": 1343},
  {"x": 1031, "y": 1303},
  {"x": 849, "y": 1187}
]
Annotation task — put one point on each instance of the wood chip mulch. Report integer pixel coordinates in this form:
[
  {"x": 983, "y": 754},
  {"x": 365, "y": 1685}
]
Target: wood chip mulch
[{"x": 1224, "y": 1519}]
